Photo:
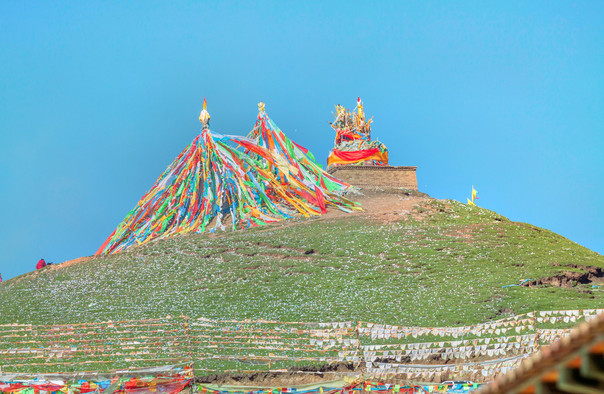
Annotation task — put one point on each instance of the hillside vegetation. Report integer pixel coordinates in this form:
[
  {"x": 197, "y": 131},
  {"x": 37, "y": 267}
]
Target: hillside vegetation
[{"x": 437, "y": 263}]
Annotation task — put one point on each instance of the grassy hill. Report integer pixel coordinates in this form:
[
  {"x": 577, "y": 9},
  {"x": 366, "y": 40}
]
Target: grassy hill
[{"x": 406, "y": 260}]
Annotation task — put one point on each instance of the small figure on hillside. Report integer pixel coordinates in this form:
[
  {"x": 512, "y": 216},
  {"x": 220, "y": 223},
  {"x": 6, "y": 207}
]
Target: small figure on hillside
[
  {"x": 0, "y": 278},
  {"x": 41, "y": 264}
]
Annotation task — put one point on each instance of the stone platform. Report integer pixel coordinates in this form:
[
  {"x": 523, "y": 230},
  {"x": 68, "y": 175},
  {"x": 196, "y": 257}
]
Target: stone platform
[{"x": 376, "y": 176}]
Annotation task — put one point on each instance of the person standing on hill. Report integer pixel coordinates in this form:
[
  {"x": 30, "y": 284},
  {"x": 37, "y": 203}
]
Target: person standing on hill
[
  {"x": 0, "y": 278},
  {"x": 41, "y": 264}
]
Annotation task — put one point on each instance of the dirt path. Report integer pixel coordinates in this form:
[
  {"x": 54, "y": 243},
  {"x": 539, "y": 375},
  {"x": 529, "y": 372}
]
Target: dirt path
[{"x": 384, "y": 206}]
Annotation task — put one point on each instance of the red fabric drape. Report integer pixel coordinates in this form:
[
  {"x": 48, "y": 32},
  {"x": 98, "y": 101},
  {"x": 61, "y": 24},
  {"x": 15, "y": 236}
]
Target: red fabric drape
[
  {"x": 303, "y": 149},
  {"x": 356, "y": 155}
]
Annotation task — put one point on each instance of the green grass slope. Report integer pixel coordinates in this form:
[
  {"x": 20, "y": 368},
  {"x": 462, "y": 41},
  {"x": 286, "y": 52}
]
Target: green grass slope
[{"x": 442, "y": 263}]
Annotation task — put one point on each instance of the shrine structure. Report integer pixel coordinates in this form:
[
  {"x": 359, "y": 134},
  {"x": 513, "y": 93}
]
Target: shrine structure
[{"x": 358, "y": 160}]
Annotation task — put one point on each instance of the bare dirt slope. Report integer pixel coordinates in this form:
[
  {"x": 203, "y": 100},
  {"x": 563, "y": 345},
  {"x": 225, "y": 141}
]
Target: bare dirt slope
[{"x": 384, "y": 205}]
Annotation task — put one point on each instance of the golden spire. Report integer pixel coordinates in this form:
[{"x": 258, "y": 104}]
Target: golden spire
[
  {"x": 204, "y": 116},
  {"x": 261, "y": 107}
]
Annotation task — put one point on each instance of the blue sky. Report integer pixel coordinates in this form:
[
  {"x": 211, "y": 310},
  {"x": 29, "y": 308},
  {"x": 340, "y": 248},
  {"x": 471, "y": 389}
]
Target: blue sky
[{"x": 97, "y": 98}]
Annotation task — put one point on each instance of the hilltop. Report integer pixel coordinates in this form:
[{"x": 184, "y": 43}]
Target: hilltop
[{"x": 407, "y": 259}]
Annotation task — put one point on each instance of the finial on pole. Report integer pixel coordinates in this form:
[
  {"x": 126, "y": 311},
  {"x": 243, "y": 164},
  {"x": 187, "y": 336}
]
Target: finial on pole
[
  {"x": 261, "y": 108},
  {"x": 204, "y": 116}
]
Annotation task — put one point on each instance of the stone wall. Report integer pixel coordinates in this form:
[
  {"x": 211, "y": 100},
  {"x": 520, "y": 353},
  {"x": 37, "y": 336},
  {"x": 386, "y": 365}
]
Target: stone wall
[{"x": 377, "y": 176}]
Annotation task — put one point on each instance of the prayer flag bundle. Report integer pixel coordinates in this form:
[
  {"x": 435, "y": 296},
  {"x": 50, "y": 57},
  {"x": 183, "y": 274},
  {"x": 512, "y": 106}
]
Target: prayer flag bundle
[{"x": 249, "y": 181}]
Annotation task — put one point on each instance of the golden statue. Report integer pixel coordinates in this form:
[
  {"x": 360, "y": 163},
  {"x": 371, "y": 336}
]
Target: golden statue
[{"x": 353, "y": 145}]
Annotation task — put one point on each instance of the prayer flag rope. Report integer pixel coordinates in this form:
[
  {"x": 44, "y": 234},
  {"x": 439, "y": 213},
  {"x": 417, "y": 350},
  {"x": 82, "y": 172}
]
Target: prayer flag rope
[
  {"x": 159, "y": 383},
  {"x": 174, "y": 384},
  {"x": 267, "y": 345}
]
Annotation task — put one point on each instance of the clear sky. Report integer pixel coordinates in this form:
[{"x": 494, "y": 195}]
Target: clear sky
[{"x": 97, "y": 98}]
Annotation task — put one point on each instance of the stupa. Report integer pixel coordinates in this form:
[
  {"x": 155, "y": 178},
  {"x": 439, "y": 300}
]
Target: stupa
[{"x": 359, "y": 161}]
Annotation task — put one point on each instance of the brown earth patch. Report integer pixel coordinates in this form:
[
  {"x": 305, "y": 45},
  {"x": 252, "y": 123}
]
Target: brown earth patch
[
  {"x": 569, "y": 279},
  {"x": 295, "y": 376},
  {"x": 465, "y": 232},
  {"x": 291, "y": 377},
  {"x": 385, "y": 206}
]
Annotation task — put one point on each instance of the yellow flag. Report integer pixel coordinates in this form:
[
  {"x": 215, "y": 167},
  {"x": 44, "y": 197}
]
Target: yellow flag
[
  {"x": 470, "y": 202},
  {"x": 473, "y": 193}
]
